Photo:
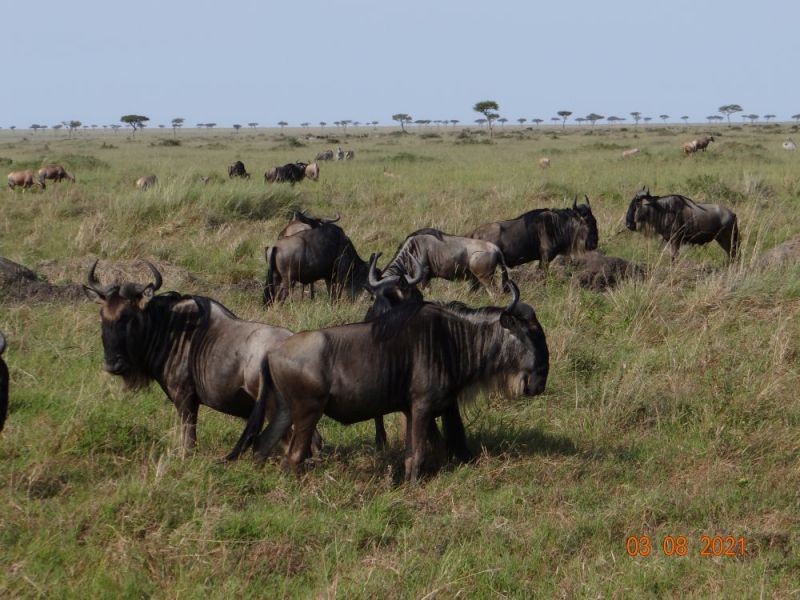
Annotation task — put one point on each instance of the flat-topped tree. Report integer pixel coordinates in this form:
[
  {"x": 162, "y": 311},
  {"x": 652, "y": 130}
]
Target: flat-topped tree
[
  {"x": 488, "y": 108},
  {"x": 768, "y": 117},
  {"x": 282, "y": 124},
  {"x": 728, "y": 110},
  {"x": 537, "y": 121},
  {"x": 664, "y": 118},
  {"x": 177, "y": 122},
  {"x": 252, "y": 125},
  {"x": 237, "y": 127},
  {"x": 402, "y": 118},
  {"x": 521, "y": 121},
  {"x": 796, "y": 117},
  {"x": 637, "y": 116},
  {"x": 594, "y": 118},
  {"x": 134, "y": 121},
  {"x": 685, "y": 118},
  {"x": 564, "y": 114}
]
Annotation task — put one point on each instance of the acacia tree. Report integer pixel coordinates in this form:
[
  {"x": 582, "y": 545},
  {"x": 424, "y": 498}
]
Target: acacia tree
[
  {"x": 252, "y": 125},
  {"x": 580, "y": 120},
  {"x": 521, "y": 121},
  {"x": 402, "y": 118},
  {"x": 768, "y": 117},
  {"x": 728, "y": 110},
  {"x": 71, "y": 126},
  {"x": 796, "y": 117},
  {"x": 488, "y": 108},
  {"x": 454, "y": 122},
  {"x": 322, "y": 124},
  {"x": 664, "y": 118},
  {"x": 237, "y": 127},
  {"x": 647, "y": 119},
  {"x": 564, "y": 114},
  {"x": 135, "y": 121},
  {"x": 177, "y": 122},
  {"x": 502, "y": 120},
  {"x": 753, "y": 118},
  {"x": 637, "y": 116},
  {"x": 537, "y": 121},
  {"x": 685, "y": 119},
  {"x": 594, "y": 118},
  {"x": 282, "y": 124}
]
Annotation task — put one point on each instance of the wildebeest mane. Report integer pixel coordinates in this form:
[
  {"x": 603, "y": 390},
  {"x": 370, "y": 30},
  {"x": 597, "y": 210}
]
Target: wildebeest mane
[
  {"x": 437, "y": 233},
  {"x": 387, "y": 325}
]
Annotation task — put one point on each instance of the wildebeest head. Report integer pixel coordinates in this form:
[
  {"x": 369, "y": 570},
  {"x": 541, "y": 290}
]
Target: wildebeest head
[
  {"x": 394, "y": 290},
  {"x": 638, "y": 208},
  {"x": 588, "y": 233},
  {"x": 122, "y": 311},
  {"x": 534, "y": 364}
]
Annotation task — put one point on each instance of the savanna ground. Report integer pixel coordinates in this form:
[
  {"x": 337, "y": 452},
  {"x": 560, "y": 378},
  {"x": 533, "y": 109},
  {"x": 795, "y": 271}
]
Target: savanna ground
[{"x": 671, "y": 409}]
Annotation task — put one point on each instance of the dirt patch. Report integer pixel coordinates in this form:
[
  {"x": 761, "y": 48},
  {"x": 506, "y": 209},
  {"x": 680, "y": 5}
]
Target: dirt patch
[
  {"x": 596, "y": 271},
  {"x": 19, "y": 284},
  {"x": 781, "y": 255}
]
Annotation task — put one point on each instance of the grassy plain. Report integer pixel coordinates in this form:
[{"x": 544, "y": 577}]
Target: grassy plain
[{"x": 672, "y": 406}]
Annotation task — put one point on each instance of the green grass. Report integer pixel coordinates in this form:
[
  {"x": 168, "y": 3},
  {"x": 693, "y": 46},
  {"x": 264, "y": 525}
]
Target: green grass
[{"x": 671, "y": 408}]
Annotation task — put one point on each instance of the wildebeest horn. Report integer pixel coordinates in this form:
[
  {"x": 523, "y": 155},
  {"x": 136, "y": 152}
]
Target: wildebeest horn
[
  {"x": 575, "y": 202},
  {"x": 587, "y": 200},
  {"x": 373, "y": 277},
  {"x": 333, "y": 220},
  {"x": 156, "y": 276},
  {"x": 93, "y": 284},
  {"x": 514, "y": 297}
]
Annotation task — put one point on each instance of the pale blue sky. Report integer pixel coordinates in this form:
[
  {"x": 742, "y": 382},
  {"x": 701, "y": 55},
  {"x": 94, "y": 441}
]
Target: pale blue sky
[{"x": 241, "y": 61}]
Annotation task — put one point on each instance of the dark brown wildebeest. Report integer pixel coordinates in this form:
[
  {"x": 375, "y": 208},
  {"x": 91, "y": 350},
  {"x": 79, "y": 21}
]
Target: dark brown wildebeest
[
  {"x": 3, "y": 384},
  {"x": 542, "y": 234},
  {"x": 24, "y": 179},
  {"x": 237, "y": 170},
  {"x": 324, "y": 252},
  {"x": 420, "y": 359},
  {"x": 680, "y": 221},
  {"x": 449, "y": 257},
  {"x": 301, "y": 222},
  {"x": 195, "y": 348},
  {"x": 54, "y": 172},
  {"x": 290, "y": 172},
  {"x": 326, "y": 155},
  {"x": 146, "y": 181}
]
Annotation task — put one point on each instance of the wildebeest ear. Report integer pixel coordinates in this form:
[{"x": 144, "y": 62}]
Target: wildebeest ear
[
  {"x": 93, "y": 295},
  {"x": 147, "y": 294}
]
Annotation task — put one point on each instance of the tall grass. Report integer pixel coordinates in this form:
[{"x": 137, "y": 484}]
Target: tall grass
[{"x": 671, "y": 407}]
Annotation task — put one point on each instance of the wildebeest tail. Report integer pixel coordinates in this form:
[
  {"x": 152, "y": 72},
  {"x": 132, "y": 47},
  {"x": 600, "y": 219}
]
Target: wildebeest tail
[
  {"x": 256, "y": 420},
  {"x": 503, "y": 272}
]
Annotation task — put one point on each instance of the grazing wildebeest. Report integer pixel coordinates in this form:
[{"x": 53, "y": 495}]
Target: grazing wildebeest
[
  {"x": 420, "y": 359},
  {"x": 542, "y": 234},
  {"x": 3, "y": 384},
  {"x": 680, "y": 220},
  {"x": 54, "y": 172},
  {"x": 698, "y": 144},
  {"x": 324, "y": 252},
  {"x": 290, "y": 172},
  {"x": 312, "y": 171},
  {"x": 326, "y": 155},
  {"x": 195, "y": 348},
  {"x": 24, "y": 179},
  {"x": 630, "y": 152},
  {"x": 339, "y": 153},
  {"x": 301, "y": 222},
  {"x": 237, "y": 170},
  {"x": 544, "y": 162},
  {"x": 349, "y": 154},
  {"x": 449, "y": 257},
  {"x": 145, "y": 182}
]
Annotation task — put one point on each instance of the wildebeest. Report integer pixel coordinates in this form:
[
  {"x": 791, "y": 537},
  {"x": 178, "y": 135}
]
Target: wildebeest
[
  {"x": 237, "y": 170},
  {"x": 54, "y": 172},
  {"x": 326, "y": 155},
  {"x": 542, "y": 234},
  {"x": 421, "y": 359},
  {"x": 449, "y": 257},
  {"x": 3, "y": 384},
  {"x": 339, "y": 153},
  {"x": 544, "y": 162},
  {"x": 698, "y": 144},
  {"x": 596, "y": 271},
  {"x": 630, "y": 152},
  {"x": 24, "y": 179},
  {"x": 680, "y": 220},
  {"x": 290, "y": 172},
  {"x": 145, "y": 182},
  {"x": 324, "y": 252},
  {"x": 301, "y": 222},
  {"x": 349, "y": 154},
  {"x": 195, "y": 348}
]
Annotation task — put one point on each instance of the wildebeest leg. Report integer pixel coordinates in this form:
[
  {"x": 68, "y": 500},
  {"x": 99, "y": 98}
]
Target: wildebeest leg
[
  {"x": 729, "y": 240},
  {"x": 420, "y": 424},
  {"x": 311, "y": 290},
  {"x": 302, "y": 439},
  {"x": 454, "y": 434},
  {"x": 187, "y": 411},
  {"x": 380, "y": 434}
]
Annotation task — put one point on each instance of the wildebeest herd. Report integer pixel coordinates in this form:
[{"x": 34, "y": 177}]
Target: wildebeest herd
[{"x": 420, "y": 358}]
